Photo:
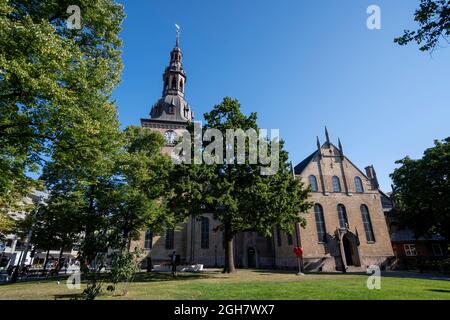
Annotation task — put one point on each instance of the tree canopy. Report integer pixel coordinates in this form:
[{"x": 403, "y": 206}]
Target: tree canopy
[
  {"x": 433, "y": 17},
  {"x": 421, "y": 191},
  {"x": 55, "y": 83},
  {"x": 239, "y": 196}
]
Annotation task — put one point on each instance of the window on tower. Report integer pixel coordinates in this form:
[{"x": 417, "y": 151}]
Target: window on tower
[{"x": 174, "y": 83}]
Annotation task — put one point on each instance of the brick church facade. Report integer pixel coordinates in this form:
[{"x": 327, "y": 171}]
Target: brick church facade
[{"x": 346, "y": 227}]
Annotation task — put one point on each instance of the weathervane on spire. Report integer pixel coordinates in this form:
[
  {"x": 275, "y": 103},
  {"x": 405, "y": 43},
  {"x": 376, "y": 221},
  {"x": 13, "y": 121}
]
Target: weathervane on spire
[{"x": 178, "y": 35}]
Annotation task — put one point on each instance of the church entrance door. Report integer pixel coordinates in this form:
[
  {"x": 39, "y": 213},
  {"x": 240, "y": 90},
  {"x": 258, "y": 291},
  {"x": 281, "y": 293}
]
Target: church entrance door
[
  {"x": 251, "y": 256},
  {"x": 348, "y": 250}
]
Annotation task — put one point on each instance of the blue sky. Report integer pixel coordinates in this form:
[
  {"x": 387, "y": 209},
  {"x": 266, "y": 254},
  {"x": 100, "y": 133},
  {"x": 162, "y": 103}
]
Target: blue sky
[{"x": 300, "y": 65}]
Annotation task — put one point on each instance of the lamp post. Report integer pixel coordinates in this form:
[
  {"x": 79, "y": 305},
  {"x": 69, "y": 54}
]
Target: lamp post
[{"x": 299, "y": 249}]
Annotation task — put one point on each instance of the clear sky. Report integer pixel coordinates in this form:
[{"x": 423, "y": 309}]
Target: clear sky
[{"x": 300, "y": 65}]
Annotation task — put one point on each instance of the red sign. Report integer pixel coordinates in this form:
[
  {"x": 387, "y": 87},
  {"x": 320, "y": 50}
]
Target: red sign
[{"x": 298, "y": 251}]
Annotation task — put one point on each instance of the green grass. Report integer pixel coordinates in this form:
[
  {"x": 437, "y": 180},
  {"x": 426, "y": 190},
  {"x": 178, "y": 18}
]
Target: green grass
[{"x": 248, "y": 284}]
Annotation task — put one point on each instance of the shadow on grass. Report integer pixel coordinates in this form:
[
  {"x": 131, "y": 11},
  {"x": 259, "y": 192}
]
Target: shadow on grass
[
  {"x": 294, "y": 272},
  {"x": 439, "y": 290},
  {"x": 387, "y": 274},
  {"x": 68, "y": 296},
  {"x": 415, "y": 275},
  {"x": 167, "y": 276},
  {"x": 146, "y": 277}
]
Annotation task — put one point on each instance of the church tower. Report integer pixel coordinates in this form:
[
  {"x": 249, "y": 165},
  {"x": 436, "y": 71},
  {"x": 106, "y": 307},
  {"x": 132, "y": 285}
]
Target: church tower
[{"x": 171, "y": 113}]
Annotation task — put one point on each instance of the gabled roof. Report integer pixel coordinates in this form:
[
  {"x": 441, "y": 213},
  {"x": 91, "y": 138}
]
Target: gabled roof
[{"x": 298, "y": 169}]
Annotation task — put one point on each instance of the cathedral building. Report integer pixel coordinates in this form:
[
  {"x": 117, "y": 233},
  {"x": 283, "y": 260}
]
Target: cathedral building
[{"x": 346, "y": 227}]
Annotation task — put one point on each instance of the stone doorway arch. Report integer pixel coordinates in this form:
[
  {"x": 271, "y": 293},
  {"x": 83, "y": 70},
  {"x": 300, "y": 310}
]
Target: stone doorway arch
[{"x": 349, "y": 248}]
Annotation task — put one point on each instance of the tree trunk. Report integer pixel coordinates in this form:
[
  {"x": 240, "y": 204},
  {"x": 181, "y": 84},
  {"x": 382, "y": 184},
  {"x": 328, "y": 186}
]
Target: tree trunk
[
  {"x": 229, "y": 252},
  {"x": 45, "y": 262},
  {"x": 60, "y": 265}
]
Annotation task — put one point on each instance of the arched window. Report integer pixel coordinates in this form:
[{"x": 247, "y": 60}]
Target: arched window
[
  {"x": 336, "y": 184},
  {"x": 169, "y": 239},
  {"x": 367, "y": 223},
  {"x": 181, "y": 85},
  {"x": 342, "y": 215},
  {"x": 174, "y": 83},
  {"x": 320, "y": 223},
  {"x": 290, "y": 240},
  {"x": 313, "y": 183},
  {"x": 278, "y": 236},
  {"x": 205, "y": 233},
  {"x": 148, "y": 241},
  {"x": 359, "y": 185}
]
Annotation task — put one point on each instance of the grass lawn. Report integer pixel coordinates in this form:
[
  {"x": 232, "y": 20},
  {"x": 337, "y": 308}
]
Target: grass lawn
[{"x": 249, "y": 284}]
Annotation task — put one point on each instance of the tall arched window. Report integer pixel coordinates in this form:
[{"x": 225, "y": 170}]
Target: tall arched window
[
  {"x": 205, "y": 233},
  {"x": 359, "y": 185},
  {"x": 313, "y": 183},
  {"x": 169, "y": 239},
  {"x": 278, "y": 231},
  {"x": 320, "y": 223},
  {"x": 367, "y": 223},
  {"x": 174, "y": 83},
  {"x": 342, "y": 215},
  {"x": 290, "y": 240},
  {"x": 148, "y": 241},
  {"x": 181, "y": 85},
  {"x": 336, "y": 184}
]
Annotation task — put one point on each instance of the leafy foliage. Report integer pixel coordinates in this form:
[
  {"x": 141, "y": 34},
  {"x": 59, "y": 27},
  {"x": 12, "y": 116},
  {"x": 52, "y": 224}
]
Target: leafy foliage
[
  {"x": 433, "y": 17},
  {"x": 6, "y": 223},
  {"x": 421, "y": 189},
  {"x": 124, "y": 265},
  {"x": 55, "y": 83},
  {"x": 239, "y": 196}
]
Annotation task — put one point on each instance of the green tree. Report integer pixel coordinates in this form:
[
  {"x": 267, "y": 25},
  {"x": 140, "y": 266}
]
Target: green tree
[
  {"x": 109, "y": 192},
  {"x": 52, "y": 80},
  {"x": 433, "y": 17},
  {"x": 6, "y": 224},
  {"x": 56, "y": 224},
  {"x": 421, "y": 189},
  {"x": 240, "y": 198},
  {"x": 136, "y": 194}
]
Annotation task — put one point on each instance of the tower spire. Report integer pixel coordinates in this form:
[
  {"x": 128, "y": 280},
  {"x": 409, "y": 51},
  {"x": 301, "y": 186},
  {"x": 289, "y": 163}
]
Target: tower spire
[
  {"x": 177, "y": 42},
  {"x": 318, "y": 148},
  {"x": 327, "y": 136},
  {"x": 172, "y": 106},
  {"x": 341, "y": 149}
]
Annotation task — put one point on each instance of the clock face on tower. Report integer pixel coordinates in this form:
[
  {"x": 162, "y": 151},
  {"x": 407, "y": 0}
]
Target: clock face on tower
[{"x": 170, "y": 136}]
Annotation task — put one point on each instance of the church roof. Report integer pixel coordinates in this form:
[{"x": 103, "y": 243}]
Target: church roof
[{"x": 298, "y": 169}]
